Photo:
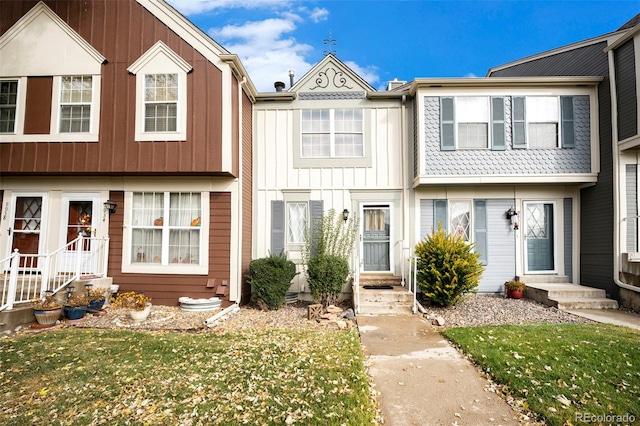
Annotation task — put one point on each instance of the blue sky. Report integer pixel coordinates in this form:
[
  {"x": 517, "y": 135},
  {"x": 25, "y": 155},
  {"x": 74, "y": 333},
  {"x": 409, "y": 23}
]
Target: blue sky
[{"x": 383, "y": 40}]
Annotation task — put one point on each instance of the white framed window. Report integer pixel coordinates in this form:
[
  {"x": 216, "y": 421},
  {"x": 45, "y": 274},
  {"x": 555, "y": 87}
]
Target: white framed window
[
  {"x": 466, "y": 219},
  {"x": 472, "y": 120},
  {"x": 167, "y": 230},
  {"x": 460, "y": 219},
  {"x": 160, "y": 102},
  {"x": 76, "y": 93},
  {"x": 161, "y": 95},
  {"x": 543, "y": 122},
  {"x": 8, "y": 105},
  {"x": 332, "y": 133},
  {"x": 297, "y": 214}
]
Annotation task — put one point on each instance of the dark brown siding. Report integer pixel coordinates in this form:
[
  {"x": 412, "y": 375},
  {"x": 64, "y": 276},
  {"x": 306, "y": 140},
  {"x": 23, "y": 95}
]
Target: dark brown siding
[
  {"x": 37, "y": 113},
  {"x": 3, "y": 208},
  {"x": 122, "y": 30},
  {"x": 627, "y": 99},
  {"x": 167, "y": 289},
  {"x": 247, "y": 194},
  {"x": 596, "y": 248}
]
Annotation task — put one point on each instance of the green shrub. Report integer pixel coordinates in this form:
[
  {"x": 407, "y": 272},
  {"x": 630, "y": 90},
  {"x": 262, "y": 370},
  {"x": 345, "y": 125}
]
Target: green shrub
[
  {"x": 446, "y": 267},
  {"x": 327, "y": 275},
  {"x": 271, "y": 278}
]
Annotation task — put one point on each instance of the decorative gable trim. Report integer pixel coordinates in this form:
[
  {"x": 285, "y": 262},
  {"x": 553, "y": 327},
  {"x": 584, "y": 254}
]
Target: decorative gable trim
[
  {"x": 331, "y": 75},
  {"x": 159, "y": 49},
  {"x": 42, "y": 9},
  {"x": 310, "y": 96}
]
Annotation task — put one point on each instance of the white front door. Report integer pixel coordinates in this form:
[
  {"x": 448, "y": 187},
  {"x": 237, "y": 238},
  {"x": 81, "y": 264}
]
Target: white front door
[{"x": 80, "y": 216}]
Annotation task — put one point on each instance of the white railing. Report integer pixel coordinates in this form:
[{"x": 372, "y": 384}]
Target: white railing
[{"x": 27, "y": 276}]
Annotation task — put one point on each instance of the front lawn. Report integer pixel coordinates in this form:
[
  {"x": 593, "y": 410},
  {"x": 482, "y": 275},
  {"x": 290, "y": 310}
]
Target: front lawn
[
  {"x": 77, "y": 376},
  {"x": 568, "y": 374}
]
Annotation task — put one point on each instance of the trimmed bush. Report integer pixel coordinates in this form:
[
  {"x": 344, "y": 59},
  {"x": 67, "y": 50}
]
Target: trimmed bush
[
  {"x": 327, "y": 275},
  {"x": 271, "y": 278},
  {"x": 447, "y": 267}
]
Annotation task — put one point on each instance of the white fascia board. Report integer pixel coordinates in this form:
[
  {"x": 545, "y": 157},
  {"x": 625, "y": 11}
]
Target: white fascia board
[
  {"x": 630, "y": 33},
  {"x": 186, "y": 30},
  {"x": 580, "y": 178},
  {"x": 425, "y": 84},
  {"x": 159, "y": 49}
]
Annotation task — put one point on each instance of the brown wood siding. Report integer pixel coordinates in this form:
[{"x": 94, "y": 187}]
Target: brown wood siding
[
  {"x": 235, "y": 132},
  {"x": 167, "y": 289},
  {"x": 3, "y": 208},
  {"x": 37, "y": 113},
  {"x": 122, "y": 30},
  {"x": 247, "y": 194}
]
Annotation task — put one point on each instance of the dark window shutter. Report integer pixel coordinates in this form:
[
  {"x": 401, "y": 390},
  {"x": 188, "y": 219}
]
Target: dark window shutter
[
  {"x": 518, "y": 122},
  {"x": 316, "y": 209},
  {"x": 497, "y": 124},
  {"x": 277, "y": 226},
  {"x": 568, "y": 122},
  {"x": 480, "y": 229},
  {"x": 440, "y": 214},
  {"x": 447, "y": 125}
]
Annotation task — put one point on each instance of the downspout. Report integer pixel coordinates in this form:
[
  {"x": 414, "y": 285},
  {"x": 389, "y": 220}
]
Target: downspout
[
  {"x": 615, "y": 153},
  {"x": 405, "y": 183}
]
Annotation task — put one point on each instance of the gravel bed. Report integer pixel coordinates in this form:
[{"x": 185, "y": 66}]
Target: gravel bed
[
  {"x": 477, "y": 309},
  {"x": 473, "y": 310}
]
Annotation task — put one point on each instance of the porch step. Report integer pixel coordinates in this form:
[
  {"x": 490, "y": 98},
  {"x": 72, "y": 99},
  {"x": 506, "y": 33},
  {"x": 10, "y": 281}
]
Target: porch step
[
  {"x": 10, "y": 319},
  {"x": 384, "y": 301},
  {"x": 568, "y": 296}
]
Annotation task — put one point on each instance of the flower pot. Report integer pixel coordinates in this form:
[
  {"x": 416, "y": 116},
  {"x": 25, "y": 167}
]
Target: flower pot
[
  {"x": 514, "y": 294},
  {"x": 95, "y": 305},
  {"x": 139, "y": 316},
  {"x": 75, "y": 312},
  {"x": 47, "y": 317}
]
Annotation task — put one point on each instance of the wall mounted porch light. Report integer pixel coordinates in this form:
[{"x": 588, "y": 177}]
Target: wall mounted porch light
[
  {"x": 512, "y": 215},
  {"x": 345, "y": 215},
  {"x": 110, "y": 206}
]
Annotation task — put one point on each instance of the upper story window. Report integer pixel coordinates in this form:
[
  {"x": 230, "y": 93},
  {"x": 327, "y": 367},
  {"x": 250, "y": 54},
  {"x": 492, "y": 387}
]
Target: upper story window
[
  {"x": 161, "y": 95},
  {"x": 8, "y": 103},
  {"x": 75, "y": 104},
  {"x": 160, "y": 102},
  {"x": 543, "y": 122},
  {"x": 332, "y": 133},
  {"x": 472, "y": 122}
]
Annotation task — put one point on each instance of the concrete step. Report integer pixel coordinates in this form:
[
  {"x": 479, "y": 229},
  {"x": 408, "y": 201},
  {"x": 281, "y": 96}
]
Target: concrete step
[
  {"x": 21, "y": 315},
  {"x": 545, "y": 278},
  {"x": 568, "y": 296},
  {"x": 369, "y": 308},
  {"x": 380, "y": 279},
  {"x": 395, "y": 295},
  {"x": 384, "y": 301}
]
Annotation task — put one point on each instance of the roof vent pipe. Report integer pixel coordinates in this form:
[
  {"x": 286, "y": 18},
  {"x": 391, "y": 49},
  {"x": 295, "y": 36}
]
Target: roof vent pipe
[
  {"x": 292, "y": 73},
  {"x": 279, "y": 86}
]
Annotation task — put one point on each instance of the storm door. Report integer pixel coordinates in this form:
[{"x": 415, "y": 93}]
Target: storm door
[
  {"x": 376, "y": 238},
  {"x": 539, "y": 233},
  {"x": 79, "y": 218},
  {"x": 26, "y": 228}
]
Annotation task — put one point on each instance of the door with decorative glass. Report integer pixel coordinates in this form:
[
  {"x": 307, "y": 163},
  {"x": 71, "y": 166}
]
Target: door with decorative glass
[
  {"x": 80, "y": 214},
  {"x": 539, "y": 236},
  {"x": 27, "y": 224},
  {"x": 376, "y": 238}
]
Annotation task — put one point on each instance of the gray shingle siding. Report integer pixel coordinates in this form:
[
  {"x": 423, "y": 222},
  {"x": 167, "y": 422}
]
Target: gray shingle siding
[
  {"x": 509, "y": 161},
  {"x": 627, "y": 99}
]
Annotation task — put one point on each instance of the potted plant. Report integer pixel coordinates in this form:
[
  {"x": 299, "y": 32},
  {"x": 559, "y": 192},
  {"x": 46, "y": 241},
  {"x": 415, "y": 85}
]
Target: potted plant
[
  {"x": 75, "y": 307},
  {"x": 97, "y": 297},
  {"x": 47, "y": 309},
  {"x": 138, "y": 304},
  {"x": 514, "y": 288}
]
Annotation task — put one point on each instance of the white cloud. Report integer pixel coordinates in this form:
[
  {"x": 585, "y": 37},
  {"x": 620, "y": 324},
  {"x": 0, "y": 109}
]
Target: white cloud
[
  {"x": 368, "y": 73},
  {"x": 195, "y": 7},
  {"x": 319, "y": 15},
  {"x": 470, "y": 75}
]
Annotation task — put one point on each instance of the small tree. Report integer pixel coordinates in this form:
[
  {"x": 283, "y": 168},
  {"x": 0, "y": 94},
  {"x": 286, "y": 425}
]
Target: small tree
[
  {"x": 446, "y": 267},
  {"x": 271, "y": 278},
  {"x": 326, "y": 253}
]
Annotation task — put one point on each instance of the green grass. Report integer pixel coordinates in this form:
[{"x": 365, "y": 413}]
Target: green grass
[
  {"x": 566, "y": 374},
  {"x": 111, "y": 377}
]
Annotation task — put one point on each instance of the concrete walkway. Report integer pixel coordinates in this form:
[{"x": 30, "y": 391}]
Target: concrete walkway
[{"x": 423, "y": 380}]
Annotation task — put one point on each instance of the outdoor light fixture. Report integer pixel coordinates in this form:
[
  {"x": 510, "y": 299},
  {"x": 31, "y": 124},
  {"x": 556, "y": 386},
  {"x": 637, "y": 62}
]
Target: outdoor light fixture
[
  {"x": 345, "y": 214},
  {"x": 110, "y": 206},
  {"x": 512, "y": 215}
]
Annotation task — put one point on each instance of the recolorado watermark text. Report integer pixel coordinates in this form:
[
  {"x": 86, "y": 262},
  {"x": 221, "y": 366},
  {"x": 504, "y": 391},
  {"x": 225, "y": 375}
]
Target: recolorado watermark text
[{"x": 605, "y": 418}]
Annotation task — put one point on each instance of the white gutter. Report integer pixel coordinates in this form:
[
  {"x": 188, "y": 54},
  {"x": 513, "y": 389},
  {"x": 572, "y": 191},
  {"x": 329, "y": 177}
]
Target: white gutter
[{"x": 615, "y": 152}]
